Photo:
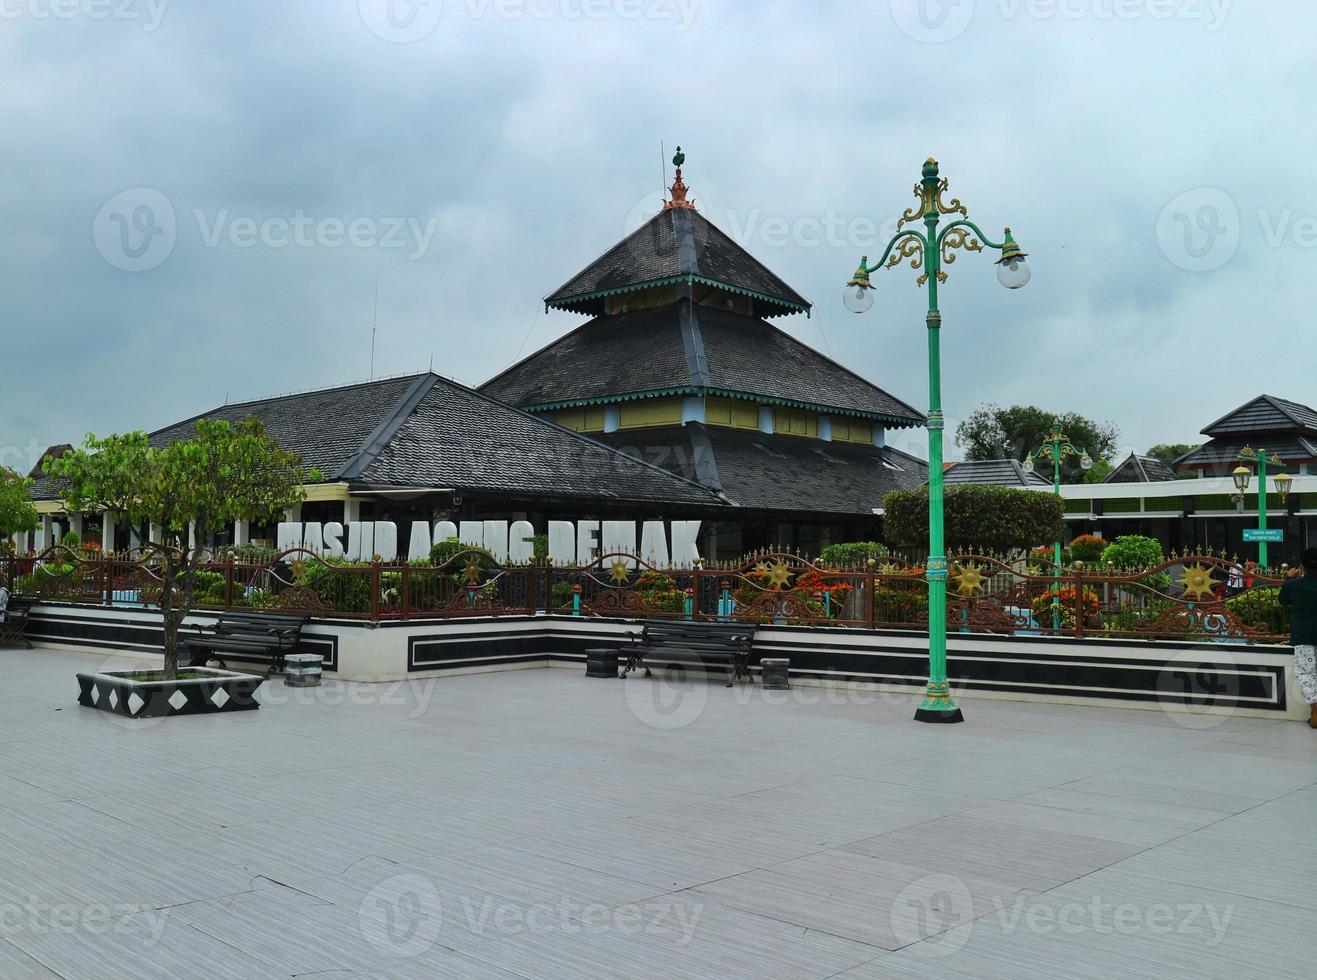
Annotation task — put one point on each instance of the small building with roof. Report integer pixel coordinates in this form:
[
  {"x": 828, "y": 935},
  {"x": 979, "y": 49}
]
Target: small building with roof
[
  {"x": 1136, "y": 468},
  {"x": 994, "y": 473},
  {"x": 1144, "y": 497}
]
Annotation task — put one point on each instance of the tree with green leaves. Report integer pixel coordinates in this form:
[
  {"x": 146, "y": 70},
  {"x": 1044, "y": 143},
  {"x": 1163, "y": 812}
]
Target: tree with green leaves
[
  {"x": 993, "y": 432},
  {"x": 223, "y": 473},
  {"x": 17, "y": 515},
  {"x": 1169, "y": 452}
]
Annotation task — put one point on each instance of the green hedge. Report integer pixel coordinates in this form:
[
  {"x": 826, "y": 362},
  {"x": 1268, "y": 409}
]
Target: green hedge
[{"x": 996, "y": 519}]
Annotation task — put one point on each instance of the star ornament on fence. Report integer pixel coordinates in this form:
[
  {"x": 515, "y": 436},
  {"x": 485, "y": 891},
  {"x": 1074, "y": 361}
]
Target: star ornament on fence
[
  {"x": 1198, "y": 582},
  {"x": 779, "y": 575},
  {"x": 472, "y": 571},
  {"x": 969, "y": 579},
  {"x": 620, "y": 573}
]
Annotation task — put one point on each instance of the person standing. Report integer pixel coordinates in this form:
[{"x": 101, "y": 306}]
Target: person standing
[{"x": 1300, "y": 594}]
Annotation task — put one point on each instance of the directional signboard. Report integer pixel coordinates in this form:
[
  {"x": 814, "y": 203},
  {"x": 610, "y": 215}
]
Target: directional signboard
[{"x": 1255, "y": 534}]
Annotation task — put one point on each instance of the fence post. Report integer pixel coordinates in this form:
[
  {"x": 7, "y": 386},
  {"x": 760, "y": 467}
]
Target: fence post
[
  {"x": 871, "y": 593},
  {"x": 405, "y": 597},
  {"x": 228, "y": 581},
  {"x": 695, "y": 597},
  {"x": 548, "y": 589},
  {"x": 375, "y": 590},
  {"x": 1079, "y": 600},
  {"x": 530, "y": 572}
]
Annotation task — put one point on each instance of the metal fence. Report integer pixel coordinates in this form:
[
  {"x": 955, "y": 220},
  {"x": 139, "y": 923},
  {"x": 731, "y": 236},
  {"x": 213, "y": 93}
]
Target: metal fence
[{"x": 1193, "y": 596}]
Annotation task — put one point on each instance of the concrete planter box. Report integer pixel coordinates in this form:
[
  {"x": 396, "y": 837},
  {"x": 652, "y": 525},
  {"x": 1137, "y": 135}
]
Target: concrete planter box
[{"x": 121, "y": 692}]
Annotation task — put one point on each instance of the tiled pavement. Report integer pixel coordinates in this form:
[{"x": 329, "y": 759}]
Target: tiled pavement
[{"x": 541, "y": 824}]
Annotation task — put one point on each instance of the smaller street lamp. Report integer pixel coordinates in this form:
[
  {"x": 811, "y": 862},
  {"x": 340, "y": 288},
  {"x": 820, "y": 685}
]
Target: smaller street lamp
[
  {"x": 1242, "y": 476},
  {"x": 1057, "y": 448}
]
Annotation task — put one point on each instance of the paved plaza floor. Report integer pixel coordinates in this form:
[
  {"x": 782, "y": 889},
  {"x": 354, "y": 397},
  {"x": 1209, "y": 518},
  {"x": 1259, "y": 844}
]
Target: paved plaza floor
[{"x": 538, "y": 823}]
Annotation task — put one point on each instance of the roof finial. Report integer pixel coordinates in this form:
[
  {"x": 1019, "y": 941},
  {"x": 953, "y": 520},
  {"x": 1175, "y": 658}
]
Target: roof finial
[{"x": 678, "y": 188}]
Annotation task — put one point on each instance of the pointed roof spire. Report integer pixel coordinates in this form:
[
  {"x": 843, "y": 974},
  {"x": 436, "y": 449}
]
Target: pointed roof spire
[{"x": 679, "y": 189}]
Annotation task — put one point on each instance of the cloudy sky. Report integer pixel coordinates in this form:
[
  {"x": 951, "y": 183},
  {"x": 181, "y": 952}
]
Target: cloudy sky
[{"x": 197, "y": 200}]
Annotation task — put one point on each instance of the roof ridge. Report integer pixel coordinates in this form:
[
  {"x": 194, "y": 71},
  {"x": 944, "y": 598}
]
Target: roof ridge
[
  {"x": 387, "y": 428},
  {"x": 283, "y": 397}
]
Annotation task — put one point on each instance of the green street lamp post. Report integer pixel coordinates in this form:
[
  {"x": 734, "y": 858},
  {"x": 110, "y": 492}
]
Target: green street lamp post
[
  {"x": 930, "y": 250},
  {"x": 1057, "y": 449},
  {"x": 1242, "y": 476}
]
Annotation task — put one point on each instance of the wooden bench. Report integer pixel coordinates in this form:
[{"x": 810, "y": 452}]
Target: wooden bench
[
  {"x": 675, "y": 641},
  {"x": 247, "y": 635},
  {"x": 15, "y": 621}
]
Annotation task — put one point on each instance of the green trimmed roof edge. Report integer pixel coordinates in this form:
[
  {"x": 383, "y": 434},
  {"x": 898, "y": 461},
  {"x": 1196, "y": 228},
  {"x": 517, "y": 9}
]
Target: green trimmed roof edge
[
  {"x": 564, "y": 302},
  {"x": 894, "y": 421}
]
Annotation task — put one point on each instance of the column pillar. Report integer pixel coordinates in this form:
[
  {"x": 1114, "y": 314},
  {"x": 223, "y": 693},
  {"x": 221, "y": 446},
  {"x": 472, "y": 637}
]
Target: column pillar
[
  {"x": 75, "y": 524},
  {"x": 47, "y": 532},
  {"x": 351, "y": 511},
  {"x": 293, "y": 515},
  {"x": 156, "y": 534},
  {"x": 134, "y": 539},
  {"x": 107, "y": 532},
  {"x": 242, "y": 533}
]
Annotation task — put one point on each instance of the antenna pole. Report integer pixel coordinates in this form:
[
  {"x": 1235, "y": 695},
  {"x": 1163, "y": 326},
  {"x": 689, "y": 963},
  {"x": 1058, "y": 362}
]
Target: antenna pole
[{"x": 374, "y": 324}]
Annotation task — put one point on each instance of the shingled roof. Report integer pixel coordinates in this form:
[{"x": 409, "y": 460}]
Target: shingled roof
[
  {"x": 1141, "y": 469},
  {"x": 676, "y": 245},
  {"x": 1277, "y": 425},
  {"x": 993, "y": 473},
  {"x": 1266, "y": 413},
  {"x": 778, "y": 472},
  {"x": 692, "y": 350},
  {"x": 427, "y": 432}
]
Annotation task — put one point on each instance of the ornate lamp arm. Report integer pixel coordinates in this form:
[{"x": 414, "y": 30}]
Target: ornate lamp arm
[
  {"x": 914, "y": 242},
  {"x": 966, "y": 223}
]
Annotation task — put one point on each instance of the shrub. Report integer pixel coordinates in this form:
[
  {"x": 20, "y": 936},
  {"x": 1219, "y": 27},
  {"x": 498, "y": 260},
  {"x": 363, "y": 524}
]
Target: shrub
[
  {"x": 852, "y": 553},
  {"x": 1088, "y": 548},
  {"x": 997, "y": 519},
  {"x": 899, "y": 605},
  {"x": 1261, "y": 607},
  {"x": 72, "y": 540},
  {"x": 251, "y": 554},
  {"x": 345, "y": 592},
  {"x": 444, "y": 551},
  {"x": 1042, "y": 606},
  {"x": 1133, "y": 552},
  {"x": 660, "y": 592}
]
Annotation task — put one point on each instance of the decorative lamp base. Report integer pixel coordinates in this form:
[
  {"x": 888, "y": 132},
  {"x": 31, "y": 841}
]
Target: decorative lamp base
[
  {"x": 934, "y": 716},
  {"x": 937, "y": 706}
]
